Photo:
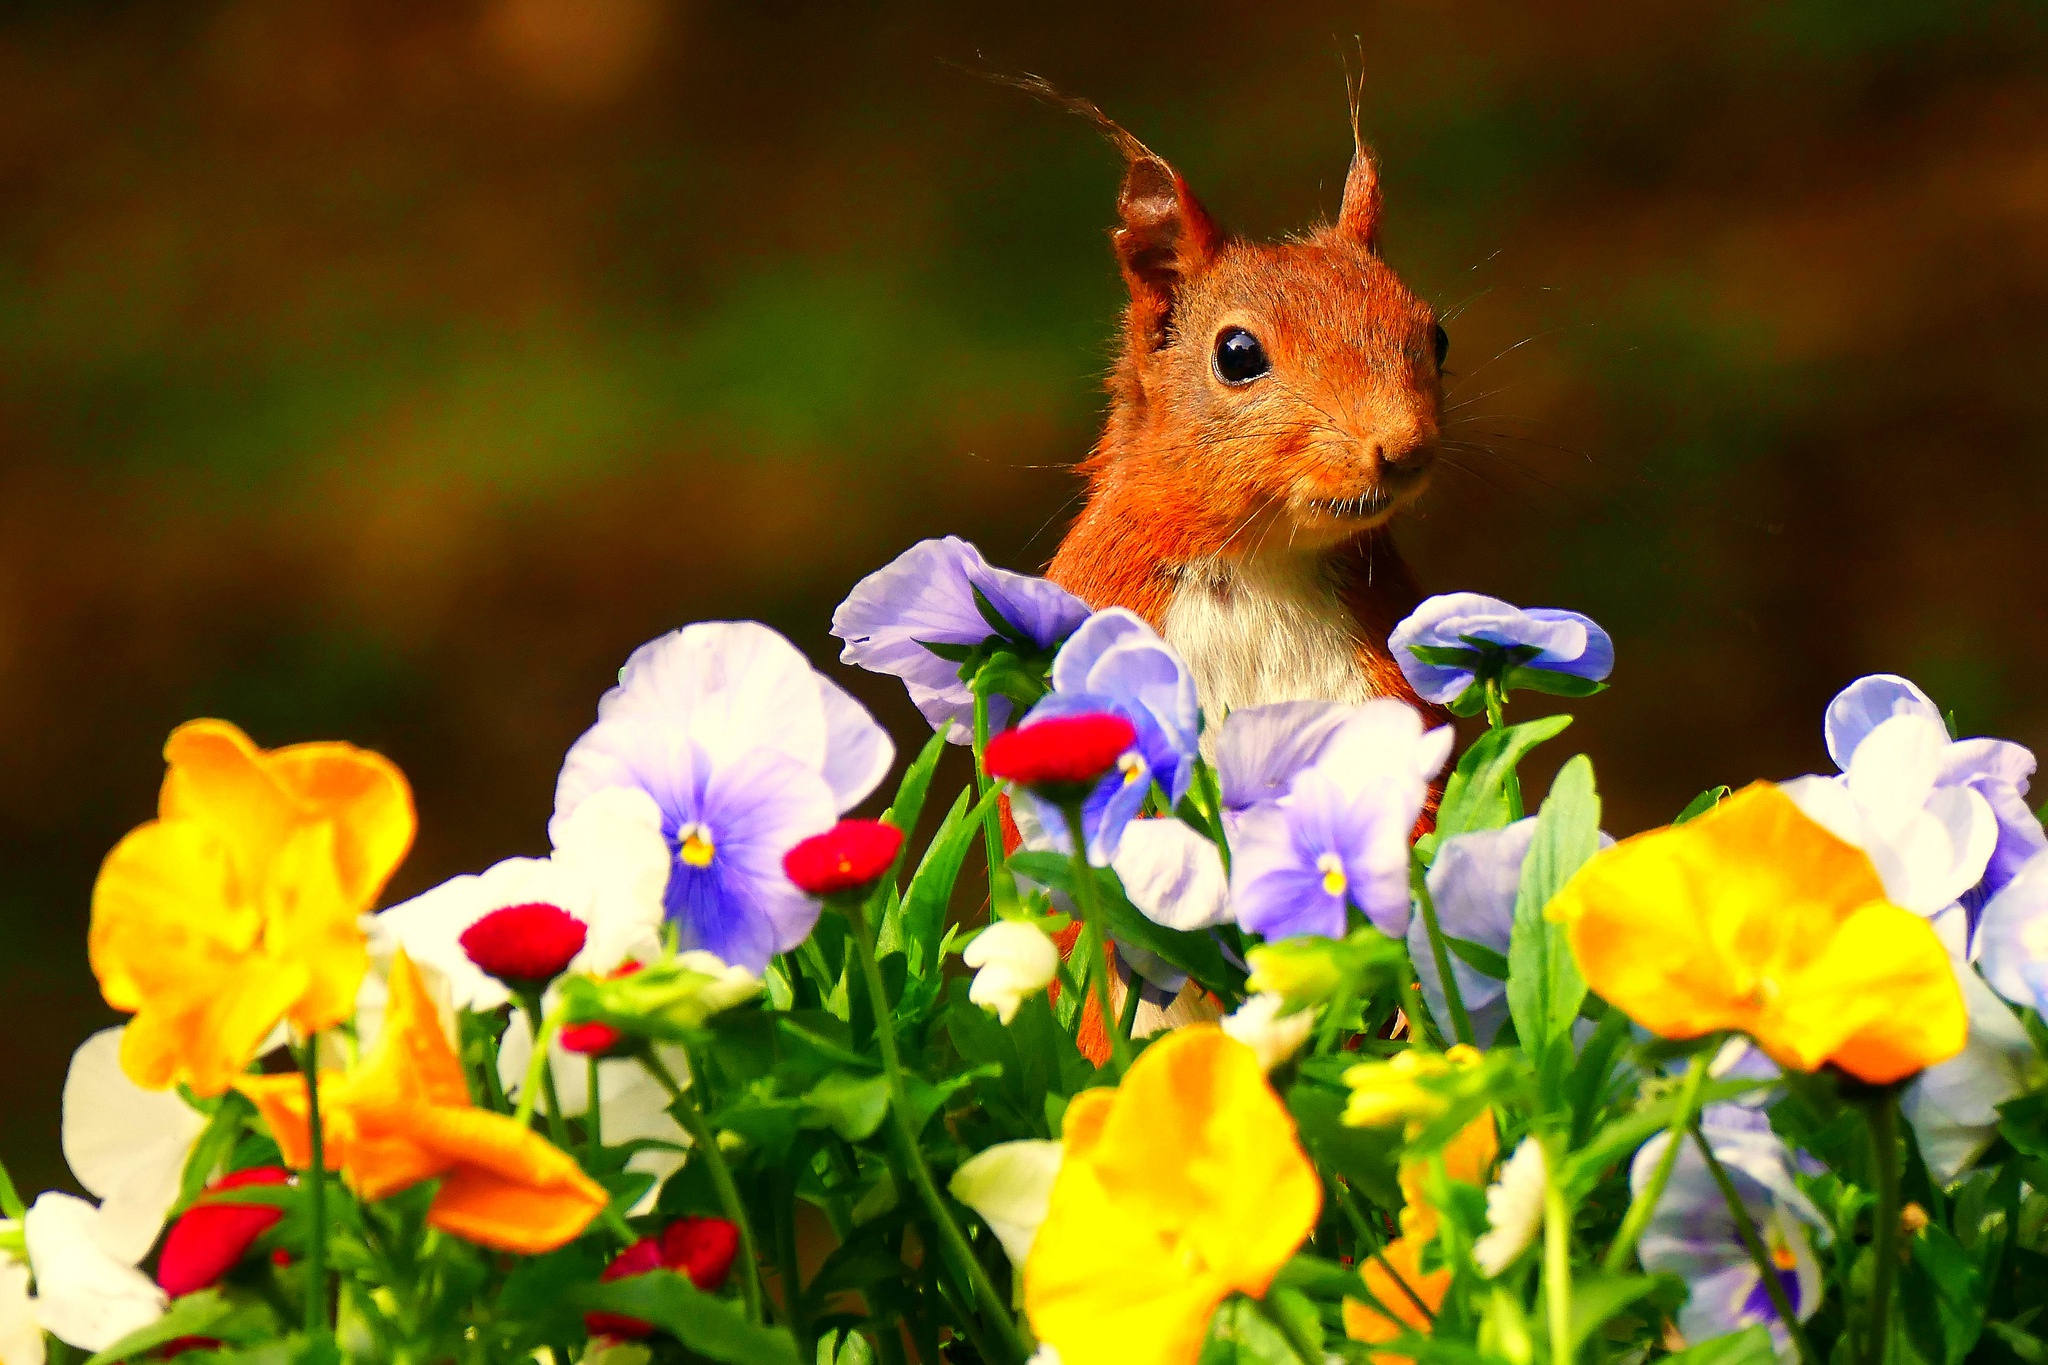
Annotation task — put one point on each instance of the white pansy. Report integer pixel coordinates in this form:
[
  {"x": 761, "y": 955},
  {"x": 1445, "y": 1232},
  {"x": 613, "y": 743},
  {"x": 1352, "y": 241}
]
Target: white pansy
[
  {"x": 85, "y": 1295},
  {"x": 1010, "y": 1186},
  {"x": 609, "y": 869},
  {"x": 1173, "y": 874},
  {"x": 21, "y": 1336},
  {"x": 631, "y": 1104},
  {"x": 1259, "y": 1025},
  {"x": 1514, "y": 1209},
  {"x": 1929, "y": 843},
  {"x": 1012, "y": 960},
  {"x": 126, "y": 1145},
  {"x": 1953, "y": 1106}
]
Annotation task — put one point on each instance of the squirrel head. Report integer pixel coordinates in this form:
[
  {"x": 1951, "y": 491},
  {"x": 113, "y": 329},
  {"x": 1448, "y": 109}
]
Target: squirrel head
[{"x": 1265, "y": 393}]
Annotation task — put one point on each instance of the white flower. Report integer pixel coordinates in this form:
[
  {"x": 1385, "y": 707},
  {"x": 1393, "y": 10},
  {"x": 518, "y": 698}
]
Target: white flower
[
  {"x": 1514, "y": 1209},
  {"x": 631, "y": 1104},
  {"x": 21, "y": 1336},
  {"x": 84, "y": 1294},
  {"x": 1259, "y": 1025},
  {"x": 1953, "y": 1106},
  {"x": 126, "y": 1145},
  {"x": 609, "y": 869},
  {"x": 1046, "y": 1354},
  {"x": 1012, "y": 960},
  {"x": 1010, "y": 1185}
]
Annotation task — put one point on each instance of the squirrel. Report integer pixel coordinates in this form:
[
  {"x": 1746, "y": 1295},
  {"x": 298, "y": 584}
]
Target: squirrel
[{"x": 1272, "y": 407}]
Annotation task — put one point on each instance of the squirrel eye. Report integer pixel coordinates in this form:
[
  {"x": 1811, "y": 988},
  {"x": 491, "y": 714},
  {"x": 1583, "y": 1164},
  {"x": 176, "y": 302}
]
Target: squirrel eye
[
  {"x": 1239, "y": 357},
  {"x": 1443, "y": 345}
]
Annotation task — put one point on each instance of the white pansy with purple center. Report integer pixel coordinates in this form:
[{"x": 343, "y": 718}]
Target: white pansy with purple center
[
  {"x": 746, "y": 751},
  {"x": 926, "y": 596},
  {"x": 1563, "y": 642}
]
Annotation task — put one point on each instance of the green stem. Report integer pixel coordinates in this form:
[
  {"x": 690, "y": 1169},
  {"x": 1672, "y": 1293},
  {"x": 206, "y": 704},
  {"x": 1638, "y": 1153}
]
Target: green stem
[
  {"x": 1093, "y": 943},
  {"x": 1753, "y": 1242},
  {"x": 536, "y": 1068},
  {"x": 1461, "y": 1019},
  {"x": 558, "y": 1128},
  {"x": 1127, "y": 1018},
  {"x": 1645, "y": 1203},
  {"x": 494, "y": 1090},
  {"x": 1212, "y": 802},
  {"x": 1002, "y": 895},
  {"x": 593, "y": 1117},
  {"x": 10, "y": 1198},
  {"x": 1883, "y": 1113},
  {"x": 1285, "y": 1326},
  {"x": 953, "y": 1242},
  {"x": 787, "y": 1269},
  {"x": 1557, "y": 1263},
  {"x": 704, "y": 1143},
  {"x": 316, "y": 1193},
  {"x": 1496, "y": 718},
  {"x": 1374, "y": 1247}
]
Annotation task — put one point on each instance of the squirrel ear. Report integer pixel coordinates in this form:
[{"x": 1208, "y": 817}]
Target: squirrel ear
[
  {"x": 1359, "y": 216},
  {"x": 1165, "y": 238}
]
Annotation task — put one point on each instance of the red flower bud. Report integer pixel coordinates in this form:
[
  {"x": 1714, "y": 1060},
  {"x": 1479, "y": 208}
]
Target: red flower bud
[
  {"x": 591, "y": 1040},
  {"x": 703, "y": 1249},
  {"x": 847, "y": 857},
  {"x": 525, "y": 945},
  {"x": 637, "y": 1259},
  {"x": 177, "y": 1346},
  {"x": 205, "y": 1243},
  {"x": 1071, "y": 751}
]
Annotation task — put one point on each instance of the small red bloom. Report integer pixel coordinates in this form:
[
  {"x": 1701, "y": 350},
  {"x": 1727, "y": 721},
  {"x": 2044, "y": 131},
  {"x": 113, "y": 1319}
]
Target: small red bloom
[
  {"x": 177, "y": 1346},
  {"x": 846, "y": 857},
  {"x": 205, "y": 1243},
  {"x": 591, "y": 1040},
  {"x": 525, "y": 945},
  {"x": 1070, "y": 751},
  {"x": 701, "y": 1248}
]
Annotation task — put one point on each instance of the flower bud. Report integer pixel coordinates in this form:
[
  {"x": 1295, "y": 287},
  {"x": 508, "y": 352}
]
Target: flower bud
[
  {"x": 668, "y": 1000},
  {"x": 637, "y": 1259},
  {"x": 205, "y": 1243},
  {"x": 1397, "y": 1090},
  {"x": 525, "y": 946},
  {"x": 1014, "y": 959},
  {"x": 850, "y": 856},
  {"x": 1063, "y": 756},
  {"x": 1301, "y": 971},
  {"x": 701, "y": 1248},
  {"x": 1259, "y": 1024}
]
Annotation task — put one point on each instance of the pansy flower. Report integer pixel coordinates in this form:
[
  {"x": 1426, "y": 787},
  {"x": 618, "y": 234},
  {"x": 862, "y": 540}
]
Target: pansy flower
[
  {"x": 1455, "y": 642},
  {"x": 932, "y": 594},
  {"x": 85, "y": 1294},
  {"x": 1692, "y": 1232},
  {"x": 746, "y": 751}
]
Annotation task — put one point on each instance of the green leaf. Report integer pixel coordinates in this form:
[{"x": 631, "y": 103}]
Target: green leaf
[
  {"x": 850, "y": 1105},
  {"x": 208, "y": 1313},
  {"x": 1475, "y": 797},
  {"x": 952, "y": 654},
  {"x": 931, "y": 888},
  {"x": 1701, "y": 804},
  {"x": 1944, "y": 1297},
  {"x": 1194, "y": 952},
  {"x": 1751, "y": 1346},
  {"x": 1597, "y": 1297},
  {"x": 1551, "y": 682},
  {"x": 916, "y": 784},
  {"x": 1479, "y": 957},
  {"x": 1445, "y": 656},
  {"x": 1544, "y": 985},
  {"x": 707, "y": 1325}
]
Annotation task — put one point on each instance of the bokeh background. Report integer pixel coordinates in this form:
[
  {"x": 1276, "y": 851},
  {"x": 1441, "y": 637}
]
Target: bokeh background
[{"x": 388, "y": 369}]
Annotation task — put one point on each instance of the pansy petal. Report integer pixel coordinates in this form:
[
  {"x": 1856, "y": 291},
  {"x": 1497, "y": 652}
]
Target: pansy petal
[
  {"x": 1867, "y": 703},
  {"x": 731, "y": 686},
  {"x": 1881, "y": 1001},
  {"x": 858, "y": 751},
  {"x": 84, "y": 1296},
  {"x": 1261, "y": 749},
  {"x": 1010, "y": 1186},
  {"x": 1172, "y": 874},
  {"x": 2012, "y": 936},
  {"x": 21, "y": 1336},
  {"x": 125, "y": 1144},
  {"x": 1953, "y": 1107}
]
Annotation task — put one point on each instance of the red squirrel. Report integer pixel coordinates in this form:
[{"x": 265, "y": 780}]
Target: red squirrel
[{"x": 1273, "y": 406}]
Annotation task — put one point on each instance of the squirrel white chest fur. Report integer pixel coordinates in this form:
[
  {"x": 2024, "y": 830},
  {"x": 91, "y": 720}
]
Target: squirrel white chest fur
[{"x": 1265, "y": 628}]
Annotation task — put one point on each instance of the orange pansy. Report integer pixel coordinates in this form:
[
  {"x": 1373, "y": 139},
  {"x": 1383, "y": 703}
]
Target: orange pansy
[{"x": 1364, "y": 1322}]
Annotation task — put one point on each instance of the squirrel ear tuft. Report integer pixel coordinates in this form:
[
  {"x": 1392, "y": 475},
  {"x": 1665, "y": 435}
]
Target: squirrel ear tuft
[
  {"x": 1359, "y": 216},
  {"x": 1166, "y": 236}
]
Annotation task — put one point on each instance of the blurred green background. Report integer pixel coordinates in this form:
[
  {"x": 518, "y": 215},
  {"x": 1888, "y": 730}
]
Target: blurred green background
[{"x": 387, "y": 369}]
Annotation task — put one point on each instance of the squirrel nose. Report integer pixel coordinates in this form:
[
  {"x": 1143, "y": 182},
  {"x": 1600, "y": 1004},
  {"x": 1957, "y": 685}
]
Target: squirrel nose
[{"x": 1410, "y": 451}]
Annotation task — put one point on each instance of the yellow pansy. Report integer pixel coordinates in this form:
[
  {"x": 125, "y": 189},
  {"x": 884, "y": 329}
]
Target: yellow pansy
[
  {"x": 404, "y": 1116},
  {"x": 1397, "y": 1310},
  {"x": 1753, "y": 917},
  {"x": 1389, "y": 1092},
  {"x": 1468, "y": 1158},
  {"x": 238, "y": 905},
  {"x": 1180, "y": 1187}
]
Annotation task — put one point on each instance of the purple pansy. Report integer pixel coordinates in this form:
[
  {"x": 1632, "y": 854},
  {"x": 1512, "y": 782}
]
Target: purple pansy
[
  {"x": 1996, "y": 769},
  {"x": 746, "y": 750},
  {"x": 1339, "y": 837},
  {"x": 1116, "y": 663},
  {"x": 1564, "y": 642},
  {"x": 926, "y": 596},
  {"x": 1692, "y": 1233}
]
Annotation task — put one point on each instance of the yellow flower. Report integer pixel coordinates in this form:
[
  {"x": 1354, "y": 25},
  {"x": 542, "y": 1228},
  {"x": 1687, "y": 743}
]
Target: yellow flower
[
  {"x": 1468, "y": 1158},
  {"x": 404, "y": 1116},
  {"x": 1181, "y": 1186},
  {"x": 1388, "y": 1092},
  {"x": 1364, "y": 1322},
  {"x": 1753, "y": 917},
  {"x": 237, "y": 906}
]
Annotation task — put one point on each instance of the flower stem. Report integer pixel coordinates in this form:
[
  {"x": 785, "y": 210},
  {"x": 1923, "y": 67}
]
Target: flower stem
[
  {"x": 593, "y": 1117},
  {"x": 1497, "y": 718},
  {"x": 1001, "y": 894},
  {"x": 953, "y": 1242},
  {"x": 1557, "y": 1264},
  {"x": 1094, "y": 942},
  {"x": 1753, "y": 1243},
  {"x": 1883, "y": 1112},
  {"x": 704, "y": 1143},
  {"x": 1284, "y": 1325},
  {"x": 557, "y": 1128},
  {"x": 1461, "y": 1019},
  {"x": 1645, "y": 1203},
  {"x": 316, "y": 1193},
  {"x": 544, "y": 1031}
]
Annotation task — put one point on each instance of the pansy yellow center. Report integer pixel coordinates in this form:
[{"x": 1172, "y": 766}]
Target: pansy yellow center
[
  {"x": 1781, "y": 1255},
  {"x": 1132, "y": 767},
  {"x": 694, "y": 845},
  {"x": 1335, "y": 883}
]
